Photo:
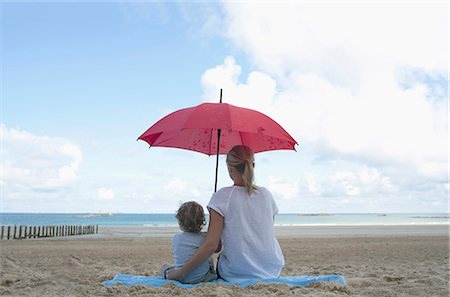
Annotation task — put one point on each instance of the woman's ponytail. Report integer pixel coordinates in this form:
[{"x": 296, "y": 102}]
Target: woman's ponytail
[
  {"x": 241, "y": 157},
  {"x": 248, "y": 177}
]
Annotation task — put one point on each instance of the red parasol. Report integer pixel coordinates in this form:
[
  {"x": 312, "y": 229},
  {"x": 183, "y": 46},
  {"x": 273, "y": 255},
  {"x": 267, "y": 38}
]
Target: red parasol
[{"x": 202, "y": 127}]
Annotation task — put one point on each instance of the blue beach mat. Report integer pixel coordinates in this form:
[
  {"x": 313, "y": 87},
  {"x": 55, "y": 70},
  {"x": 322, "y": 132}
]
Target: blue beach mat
[{"x": 158, "y": 281}]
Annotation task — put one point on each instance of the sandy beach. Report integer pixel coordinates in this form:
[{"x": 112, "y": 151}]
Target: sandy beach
[{"x": 375, "y": 260}]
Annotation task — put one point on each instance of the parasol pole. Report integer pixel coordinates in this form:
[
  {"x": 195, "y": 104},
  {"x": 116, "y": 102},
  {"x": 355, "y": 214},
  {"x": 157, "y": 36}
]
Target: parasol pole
[{"x": 218, "y": 142}]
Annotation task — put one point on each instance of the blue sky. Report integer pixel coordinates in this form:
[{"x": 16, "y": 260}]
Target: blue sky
[{"x": 367, "y": 101}]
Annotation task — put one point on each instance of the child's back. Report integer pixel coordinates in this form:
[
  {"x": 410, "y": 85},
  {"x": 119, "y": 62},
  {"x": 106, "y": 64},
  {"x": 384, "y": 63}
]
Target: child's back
[
  {"x": 184, "y": 246},
  {"x": 191, "y": 219}
]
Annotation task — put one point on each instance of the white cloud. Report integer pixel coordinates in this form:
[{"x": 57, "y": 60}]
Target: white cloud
[
  {"x": 179, "y": 188},
  {"x": 32, "y": 162},
  {"x": 334, "y": 77},
  {"x": 347, "y": 181},
  {"x": 369, "y": 175},
  {"x": 105, "y": 194},
  {"x": 176, "y": 185},
  {"x": 395, "y": 126},
  {"x": 339, "y": 38},
  {"x": 256, "y": 93},
  {"x": 313, "y": 185},
  {"x": 284, "y": 188},
  {"x": 363, "y": 182}
]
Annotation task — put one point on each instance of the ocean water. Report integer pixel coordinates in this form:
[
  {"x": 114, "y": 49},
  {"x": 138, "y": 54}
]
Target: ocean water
[{"x": 167, "y": 220}]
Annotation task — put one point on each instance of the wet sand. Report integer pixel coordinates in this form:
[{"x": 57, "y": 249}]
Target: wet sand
[{"x": 292, "y": 231}]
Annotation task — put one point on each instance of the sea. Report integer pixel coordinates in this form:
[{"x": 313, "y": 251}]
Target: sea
[{"x": 169, "y": 220}]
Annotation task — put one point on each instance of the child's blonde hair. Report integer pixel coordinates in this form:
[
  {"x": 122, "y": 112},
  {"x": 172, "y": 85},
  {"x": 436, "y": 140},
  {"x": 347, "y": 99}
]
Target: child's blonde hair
[
  {"x": 242, "y": 158},
  {"x": 191, "y": 217}
]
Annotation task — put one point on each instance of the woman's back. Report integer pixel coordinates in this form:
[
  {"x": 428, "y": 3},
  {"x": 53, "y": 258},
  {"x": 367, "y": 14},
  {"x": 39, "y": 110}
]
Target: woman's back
[{"x": 250, "y": 249}]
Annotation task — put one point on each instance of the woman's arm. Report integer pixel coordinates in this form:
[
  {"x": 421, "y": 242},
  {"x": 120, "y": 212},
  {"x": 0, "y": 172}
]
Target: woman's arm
[{"x": 208, "y": 247}]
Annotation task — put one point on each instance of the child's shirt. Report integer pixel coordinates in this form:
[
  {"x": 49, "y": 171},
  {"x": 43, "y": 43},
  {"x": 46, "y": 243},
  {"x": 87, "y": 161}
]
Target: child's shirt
[{"x": 184, "y": 246}]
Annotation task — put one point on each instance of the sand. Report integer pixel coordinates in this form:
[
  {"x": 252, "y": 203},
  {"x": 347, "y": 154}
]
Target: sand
[{"x": 375, "y": 263}]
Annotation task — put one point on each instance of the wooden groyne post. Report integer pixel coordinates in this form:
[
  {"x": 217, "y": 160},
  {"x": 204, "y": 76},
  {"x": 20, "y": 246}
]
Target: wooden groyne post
[{"x": 25, "y": 232}]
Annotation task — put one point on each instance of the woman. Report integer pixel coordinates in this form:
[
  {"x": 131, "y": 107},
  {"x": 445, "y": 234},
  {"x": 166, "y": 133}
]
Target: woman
[{"x": 242, "y": 216}]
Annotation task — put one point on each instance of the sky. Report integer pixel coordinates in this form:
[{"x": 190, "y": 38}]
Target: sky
[{"x": 362, "y": 87}]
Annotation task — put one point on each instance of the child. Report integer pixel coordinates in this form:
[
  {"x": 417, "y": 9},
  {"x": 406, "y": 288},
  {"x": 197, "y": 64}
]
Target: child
[{"x": 191, "y": 219}]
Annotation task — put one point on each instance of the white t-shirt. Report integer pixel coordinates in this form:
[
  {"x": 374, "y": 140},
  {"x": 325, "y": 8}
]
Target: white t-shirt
[
  {"x": 249, "y": 247},
  {"x": 184, "y": 246}
]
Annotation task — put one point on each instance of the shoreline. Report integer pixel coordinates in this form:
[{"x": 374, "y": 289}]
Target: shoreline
[
  {"x": 302, "y": 231},
  {"x": 282, "y": 231}
]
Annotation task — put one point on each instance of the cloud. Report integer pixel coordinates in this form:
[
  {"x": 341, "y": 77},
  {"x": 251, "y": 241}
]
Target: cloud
[
  {"x": 283, "y": 188},
  {"x": 366, "y": 94},
  {"x": 340, "y": 38},
  {"x": 105, "y": 194},
  {"x": 176, "y": 185},
  {"x": 370, "y": 112},
  {"x": 312, "y": 183},
  {"x": 334, "y": 78},
  {"x": 353, "y": 184},
  {"x": 180, "y": 189},
  {"x": 256, "y": 93},
  {"x": 37, "y": 163},
  {"x": 347, "y": 180},
  {"x": 388, "y": 127}
]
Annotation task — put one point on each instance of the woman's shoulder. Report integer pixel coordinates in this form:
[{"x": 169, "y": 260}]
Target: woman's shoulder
[
  {"x": 223, "y": 191},
  {"x": 262, "y": 190},
  {"x": 220, "y": 197}
]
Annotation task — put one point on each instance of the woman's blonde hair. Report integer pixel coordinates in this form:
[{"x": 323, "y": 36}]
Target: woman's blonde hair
[
  {"x": 242, "y": 158},
  {"x": 191, "y": 217}
]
